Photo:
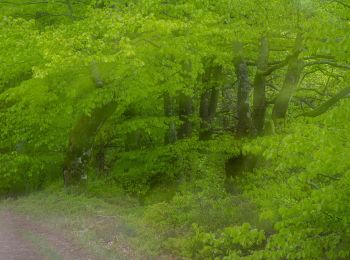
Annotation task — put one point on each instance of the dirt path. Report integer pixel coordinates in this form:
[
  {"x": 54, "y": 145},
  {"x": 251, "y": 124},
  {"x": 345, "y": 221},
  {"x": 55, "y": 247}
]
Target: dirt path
[
  {"x": 12, "y": 245},
  {"x": 21, "y": 239}
]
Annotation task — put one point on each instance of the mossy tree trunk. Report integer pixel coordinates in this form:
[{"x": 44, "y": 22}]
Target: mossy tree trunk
[
  {"x": 227, "y": 105},
  {"x": 82, "y": 136},
  {"x": 185, "y": 113},
  {"x": 208, "y": 105},
  {"x": 244, "y": 124},
  {"x": 169, "y": 111},
  {"x": 209, "y": 100},
  {"x": 259, "y": 93},
  {"x": 292, "y": 77},
  {"x": 81, "y": 141}
]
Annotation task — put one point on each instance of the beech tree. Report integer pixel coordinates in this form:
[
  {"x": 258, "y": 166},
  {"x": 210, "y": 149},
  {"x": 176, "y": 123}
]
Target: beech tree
[{"x": 137, "y": 89}]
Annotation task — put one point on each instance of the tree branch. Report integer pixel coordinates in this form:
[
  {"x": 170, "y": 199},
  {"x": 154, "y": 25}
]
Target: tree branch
[
  {"x": 277, "y": 66},
  {"x": 327, "y": 62},
  {"x": 328, "y": 104},
  {"x": 342, "y": 3}
]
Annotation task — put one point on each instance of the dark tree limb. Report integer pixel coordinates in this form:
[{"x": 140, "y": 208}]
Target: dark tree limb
[
  {"x": 328, "y": 104},
  {"x": 275, "y": 67}
]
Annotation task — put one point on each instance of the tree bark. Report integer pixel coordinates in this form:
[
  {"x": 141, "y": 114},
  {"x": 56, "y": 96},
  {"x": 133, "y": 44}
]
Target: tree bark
[
  {"x": 82, "y": 137},
  {"x": 227, "y": 105},
  {"x": 100, "y": 158},
  {"x": 81, "y": 142},
  {"x": 70, "y": 8},
  {"x": 259, "y": 95},
  {"x": 170, "y": 135},
  {"x": 292, "y": 77},
  {"x": 185, "y": 112},
  {"x": 209, "y": 101},
  {"x": 208, "y": 105},
  {"x": 244, "y": 125}
]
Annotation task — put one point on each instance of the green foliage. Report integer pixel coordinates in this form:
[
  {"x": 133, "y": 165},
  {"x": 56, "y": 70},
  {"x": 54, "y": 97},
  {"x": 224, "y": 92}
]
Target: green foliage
[
  {"x": 302, "y": 187},
  {"x": 102, "y": 83},
  {"x": 230, "y": 243},
  {"x": 22, "y": 174}
]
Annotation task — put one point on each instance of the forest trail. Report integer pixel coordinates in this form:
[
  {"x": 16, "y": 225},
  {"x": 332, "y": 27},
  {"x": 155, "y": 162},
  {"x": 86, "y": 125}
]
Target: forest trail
[{"x": 22, "y": 239}]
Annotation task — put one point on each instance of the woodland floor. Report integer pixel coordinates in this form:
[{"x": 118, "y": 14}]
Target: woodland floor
[{"x": 24, "y": 239}]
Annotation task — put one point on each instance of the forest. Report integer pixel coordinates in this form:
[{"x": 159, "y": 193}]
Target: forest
[{"x": 179, "y": 129}]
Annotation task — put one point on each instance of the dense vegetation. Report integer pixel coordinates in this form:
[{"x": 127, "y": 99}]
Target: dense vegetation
[{"x": 225, "y": 122}]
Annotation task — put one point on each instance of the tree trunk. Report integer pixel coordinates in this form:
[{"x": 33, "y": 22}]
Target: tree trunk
[
  {"x": 294, "y": 70},
  {"x": 170, "y": 135},
  {"x": 81, "y": 142},
  {"x": 259, "y": 95},
  {"x": 227, "y": 106},
  {"x": 70, "y": 9},
  {"x": 209, "y": 100},
  {"x": 244, "y": 125},
  {"x": 100, "y": 158},
  {"x": 133, "y": 140},
  {"x": 185, "y": 112},
  {"x": 82, "y": 137},
  {"x": 208, "y": 105}
]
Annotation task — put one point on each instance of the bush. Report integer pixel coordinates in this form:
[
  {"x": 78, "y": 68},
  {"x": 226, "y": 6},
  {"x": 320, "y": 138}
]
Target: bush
[
  {"x": 20, "y": 174},
  {"x": 229, "y": 243}
]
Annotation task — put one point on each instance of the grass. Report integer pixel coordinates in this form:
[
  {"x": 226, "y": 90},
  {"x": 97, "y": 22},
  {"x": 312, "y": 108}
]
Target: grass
[
  {"x": 99, "y": 217},
  {"x": 44, "y": 247},
  {"x": 117, "y": 226},
  {"x": 95, "y": 223}
]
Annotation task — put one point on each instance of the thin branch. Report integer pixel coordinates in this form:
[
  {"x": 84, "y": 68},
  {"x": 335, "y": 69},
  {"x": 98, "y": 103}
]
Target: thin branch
[
  {"x": 25, "y": 3},
  {"x": 313, "y": 90},
  {"x": 328, "y": 176},
  {"x": 277, "y": 66},
  {"x": 44, "y": 14},
  {"x": 273, "y": 87},
  {"x": 250, "y": 63},
  {"x": 342, "y": 3},
  {"x": 327, "y": 62},
  {"x": 319, "y": 56},
  {"x": 307, "y": 74}
]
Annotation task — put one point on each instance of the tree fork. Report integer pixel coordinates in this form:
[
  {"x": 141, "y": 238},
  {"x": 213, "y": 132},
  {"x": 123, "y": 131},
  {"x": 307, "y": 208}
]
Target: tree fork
[
  {"x": 82, "y": 137},
  {"x": 292, "y": 77},
  {"x": 81, "y": 141}
]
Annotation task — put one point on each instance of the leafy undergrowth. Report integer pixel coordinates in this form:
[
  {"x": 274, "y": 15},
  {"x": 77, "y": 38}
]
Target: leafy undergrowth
[
  {"x": 113, "y": 224},
  {"x": 293, "y": 204},
  {"x": 191, "y": 219}
]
